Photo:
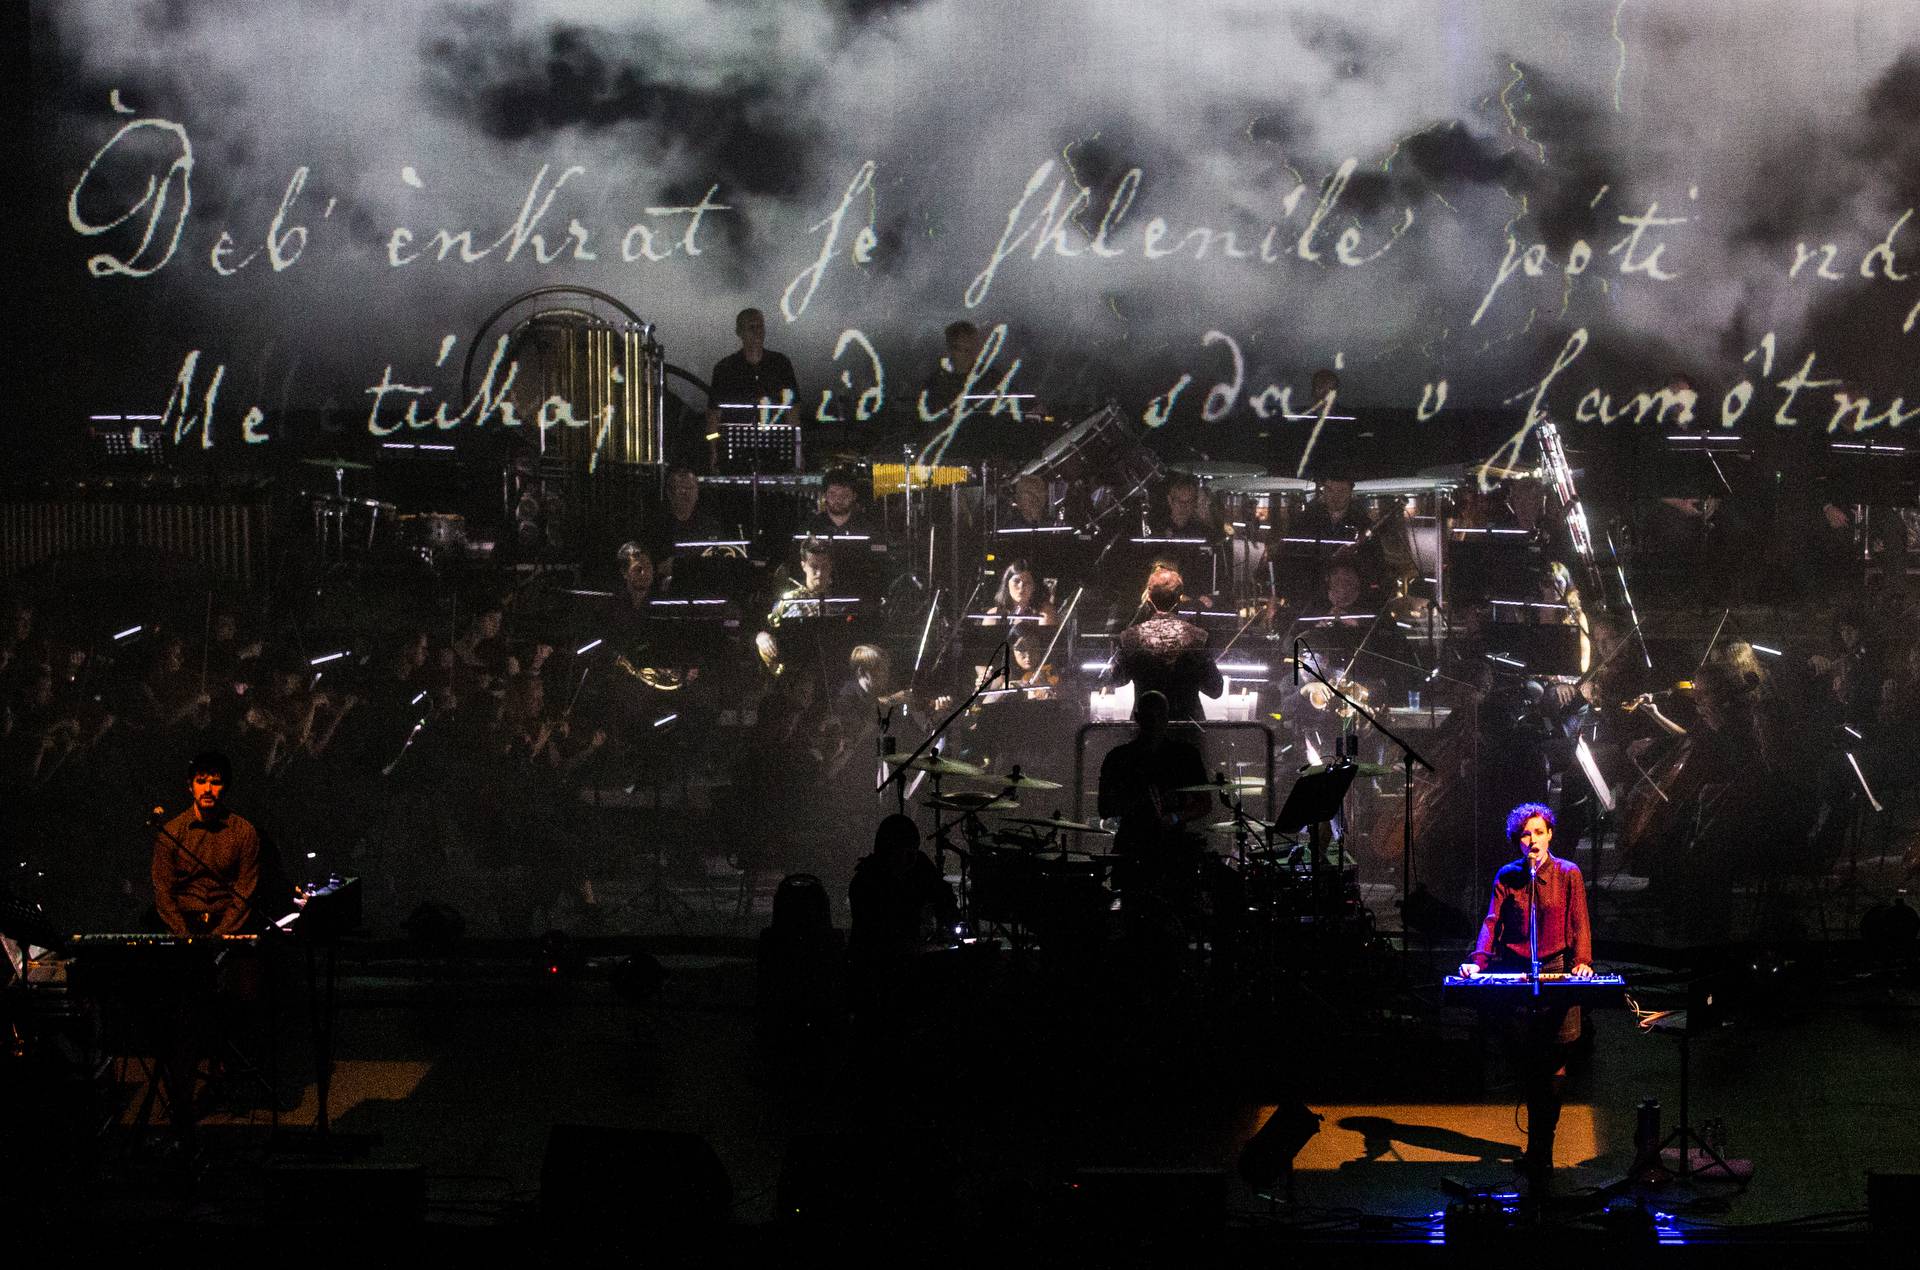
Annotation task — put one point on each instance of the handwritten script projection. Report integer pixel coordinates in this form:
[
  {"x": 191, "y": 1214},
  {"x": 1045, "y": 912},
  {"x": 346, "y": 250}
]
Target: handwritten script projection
[{"x": 1528, "y": 208}]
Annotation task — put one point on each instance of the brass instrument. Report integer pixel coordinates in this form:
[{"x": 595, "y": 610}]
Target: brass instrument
[{"x": 661, "y": 677}]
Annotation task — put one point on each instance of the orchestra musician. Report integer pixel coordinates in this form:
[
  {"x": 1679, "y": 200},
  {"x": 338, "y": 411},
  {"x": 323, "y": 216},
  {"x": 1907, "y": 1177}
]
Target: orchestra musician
[
  {"x": 1181, "y": 518},
  {"x": 816, "y": 573},
  {"x": 1167, "y": 654},
  {"x": 941, "y": 392},
  {"x": 1030, "y": 509},
  {"x": 678, "y": 519},
  {"x": 1539, "y": 895},
  {"x": 1023, "y": 597},
  {"x": 752, "y": 380}
]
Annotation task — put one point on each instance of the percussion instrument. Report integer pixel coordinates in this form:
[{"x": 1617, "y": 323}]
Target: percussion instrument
[
  {"x": 972, "y": 802},
  {"x": 894, "y": 478},
  {"x": 936, "y": 765},
  {"x": 1057, "y": 822},
  {"x": 1103, "y": 458}
]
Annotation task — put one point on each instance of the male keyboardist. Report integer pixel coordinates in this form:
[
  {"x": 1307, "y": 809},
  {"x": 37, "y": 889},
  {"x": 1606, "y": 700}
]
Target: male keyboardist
[
  {"x": 206, "y": 860},
  {"x": 1538, "y": 1035}
]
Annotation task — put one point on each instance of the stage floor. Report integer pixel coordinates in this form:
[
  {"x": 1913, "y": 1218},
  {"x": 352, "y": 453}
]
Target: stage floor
[{"x": 462, "y": 1065}]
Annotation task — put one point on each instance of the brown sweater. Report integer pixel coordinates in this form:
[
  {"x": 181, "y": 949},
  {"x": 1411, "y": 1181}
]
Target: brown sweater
[{"x": 211, "y": 895}]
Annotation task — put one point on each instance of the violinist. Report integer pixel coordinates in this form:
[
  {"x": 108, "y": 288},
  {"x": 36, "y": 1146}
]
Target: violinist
[{"x": 1024, "y": 598}]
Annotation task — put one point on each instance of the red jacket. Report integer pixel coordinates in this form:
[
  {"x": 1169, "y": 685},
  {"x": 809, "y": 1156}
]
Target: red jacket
[{"x": 1563, "y": 915}]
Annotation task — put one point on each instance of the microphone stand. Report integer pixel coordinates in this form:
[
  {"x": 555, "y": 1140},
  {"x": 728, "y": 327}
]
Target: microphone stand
[
  {"x": 1408, "y": 757},
  {"x": 1003, "y": 672},
  {"x": 1533, "y": 928}
]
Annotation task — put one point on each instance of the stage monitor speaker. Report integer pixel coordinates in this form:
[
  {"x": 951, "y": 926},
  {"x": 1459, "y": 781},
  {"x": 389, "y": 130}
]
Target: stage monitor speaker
[
  {"x": 346, "y": 1194},
  {"x": 639, "y": 1179}
]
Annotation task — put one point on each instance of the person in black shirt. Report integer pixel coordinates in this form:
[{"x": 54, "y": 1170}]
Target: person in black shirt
[
  {"x": 900, "y": 904},
  {"x": 678, "y": 519},
  {"x": 756, "y": 374},
  {"x": 1138, "y": 780}
]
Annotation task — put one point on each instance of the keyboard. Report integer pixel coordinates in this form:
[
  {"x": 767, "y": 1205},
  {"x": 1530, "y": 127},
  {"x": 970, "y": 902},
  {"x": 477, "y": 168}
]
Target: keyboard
[{"x": 1601, "y": 991}]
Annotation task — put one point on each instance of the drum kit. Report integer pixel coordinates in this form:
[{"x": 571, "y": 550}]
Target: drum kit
[
  {"x": 1029, "y": 877},
  {"x": 349, "y": 527},
  {"x": 1018, "y": 875}
]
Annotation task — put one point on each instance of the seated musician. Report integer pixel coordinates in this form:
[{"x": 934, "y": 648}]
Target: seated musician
[
  {"x": 1332, "y": 514},
  {"x": 816, "y": 573},
  {"x": 629, "y": 610},
  {"x": 206, "y": 860},
  {"x": 1360, "y": 649},
  {"x": 841, "y": 511},
  {"x": 1539, "y": 1037},
  {"x": 857, "y": 563},
  {"x": 1030, "y": 508},
  {"x": 1167, "y": 654},
  {"x": 1181, "y": 517},
  {"x": 1138, "y": 780},
  {"x": 679, "y": 519},
  {"x": 1024, "y": 597}
]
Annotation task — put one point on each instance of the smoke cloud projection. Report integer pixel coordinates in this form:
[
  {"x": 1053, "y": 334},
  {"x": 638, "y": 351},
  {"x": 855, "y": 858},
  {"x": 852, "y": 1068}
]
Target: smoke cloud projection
[{"x": 1504, "y": 205}]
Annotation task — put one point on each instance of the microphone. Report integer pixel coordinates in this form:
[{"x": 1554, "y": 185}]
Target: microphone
[{"x": 157, "y": 816}]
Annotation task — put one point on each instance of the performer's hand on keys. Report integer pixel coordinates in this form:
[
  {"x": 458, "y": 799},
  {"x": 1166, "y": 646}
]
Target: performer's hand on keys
[
  {"x": 1583, "y": 971},
  {"x": 1469, "y": 969}
]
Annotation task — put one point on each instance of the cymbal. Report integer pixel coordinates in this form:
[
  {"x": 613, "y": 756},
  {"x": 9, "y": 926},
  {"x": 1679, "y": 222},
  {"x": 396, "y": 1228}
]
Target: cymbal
[
  {"x": 1227, "y": 827},
  {"x": 352, "y": 465},
  {"x": 1215, "y": 787},
  {"x": 1058, "y": 856},
  {"x": 969, "y": 802},
  {"x": 1057, "y": 822},
  {"x": 1022, "y": 781},
  {"x": 937, "y": 765},
  {"x": 1361, "y": 769}
]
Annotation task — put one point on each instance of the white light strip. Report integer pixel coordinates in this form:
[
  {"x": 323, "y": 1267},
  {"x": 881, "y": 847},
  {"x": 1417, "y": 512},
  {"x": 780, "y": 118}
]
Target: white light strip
[
  {"x": 327, "y": 657},
  {"x": 416, "y": 700},
  {"x": 588, "y": 647},
  {"x": 131, "y": 630},
  {"x": 1762, "y": 648},
  {"x": 665, "y": 719},
  {"x": 1862, "y": 778}
]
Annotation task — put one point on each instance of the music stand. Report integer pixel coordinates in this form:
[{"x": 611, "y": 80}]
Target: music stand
[{"x": 1313, "y": 801}]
